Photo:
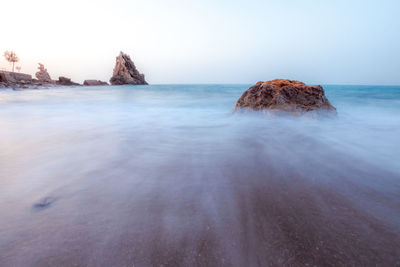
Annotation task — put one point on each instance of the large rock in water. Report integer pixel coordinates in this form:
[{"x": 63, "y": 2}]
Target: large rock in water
[
  {"x": 284, "y": 95},
  {"x": 125, "y": 72}
]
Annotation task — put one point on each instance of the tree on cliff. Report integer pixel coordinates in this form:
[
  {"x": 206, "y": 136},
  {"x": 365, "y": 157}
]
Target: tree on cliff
[{"x": 11, "y": 57}]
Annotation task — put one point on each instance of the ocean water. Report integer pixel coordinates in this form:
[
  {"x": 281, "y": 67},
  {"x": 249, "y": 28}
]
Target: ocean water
[{"x": 167, "y": 175}]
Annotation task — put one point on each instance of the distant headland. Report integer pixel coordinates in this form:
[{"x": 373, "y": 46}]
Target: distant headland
[{"x": 125, "y": 72}]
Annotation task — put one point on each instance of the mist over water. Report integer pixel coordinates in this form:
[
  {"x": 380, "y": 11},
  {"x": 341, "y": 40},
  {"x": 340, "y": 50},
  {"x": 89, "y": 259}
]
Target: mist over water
[{"x": 167, "y": 175}]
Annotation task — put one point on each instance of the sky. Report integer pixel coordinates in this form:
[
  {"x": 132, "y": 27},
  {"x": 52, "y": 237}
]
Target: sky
[{"x": 208, "y": 41}]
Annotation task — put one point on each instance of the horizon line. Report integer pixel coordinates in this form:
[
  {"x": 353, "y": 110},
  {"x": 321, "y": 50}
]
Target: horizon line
[{"x": 223, "y": 83}]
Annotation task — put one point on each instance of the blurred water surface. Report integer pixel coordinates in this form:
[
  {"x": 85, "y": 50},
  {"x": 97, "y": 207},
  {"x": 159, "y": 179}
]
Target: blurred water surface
[{"x": 168, "y": 175}]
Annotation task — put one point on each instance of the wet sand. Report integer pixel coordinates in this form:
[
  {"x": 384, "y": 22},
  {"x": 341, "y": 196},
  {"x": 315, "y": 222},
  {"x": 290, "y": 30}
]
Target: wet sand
[{"x": 202, "y": 208}]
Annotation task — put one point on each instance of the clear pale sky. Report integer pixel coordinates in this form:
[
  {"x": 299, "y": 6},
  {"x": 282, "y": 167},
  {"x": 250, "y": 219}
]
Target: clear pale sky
[{"x": 208, "y": 41}]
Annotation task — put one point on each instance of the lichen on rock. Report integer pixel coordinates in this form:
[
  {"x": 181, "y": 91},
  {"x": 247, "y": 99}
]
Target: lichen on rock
[{"x": 284, "y": 95}]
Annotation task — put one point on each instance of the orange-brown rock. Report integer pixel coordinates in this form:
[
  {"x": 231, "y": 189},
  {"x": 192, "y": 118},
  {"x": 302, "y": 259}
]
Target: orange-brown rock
[{"x": 284, "y": 95}]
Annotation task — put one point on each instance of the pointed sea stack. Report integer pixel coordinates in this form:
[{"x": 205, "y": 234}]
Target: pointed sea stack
[
  {"x": 125, "y": 72},
  {"x": 284, "y": 95}
]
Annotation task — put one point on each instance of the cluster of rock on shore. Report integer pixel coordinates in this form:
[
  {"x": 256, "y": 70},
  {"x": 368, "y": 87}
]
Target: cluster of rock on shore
[
  {"x": 280, "y": 94},
  {"x": 125, "y": 72}
]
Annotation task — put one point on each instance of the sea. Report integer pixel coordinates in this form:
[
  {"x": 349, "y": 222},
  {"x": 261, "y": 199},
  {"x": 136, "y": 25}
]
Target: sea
[{"x": 170, "y": 175}]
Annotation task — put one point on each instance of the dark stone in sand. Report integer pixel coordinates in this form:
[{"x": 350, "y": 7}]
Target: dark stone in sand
[
  {"x": 125, "y": 72},
  {"x": 65, "y": 81},
  {"x": 44, "y": 203},
  {"x": 94, "y": 83},
  {"x": 284, "y": 95}
]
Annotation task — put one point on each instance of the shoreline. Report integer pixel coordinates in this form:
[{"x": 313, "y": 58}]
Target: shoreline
[{"x": 16, "y": 80}]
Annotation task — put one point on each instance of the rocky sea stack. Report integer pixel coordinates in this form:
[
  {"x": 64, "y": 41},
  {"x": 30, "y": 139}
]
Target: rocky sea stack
[
  {"x": 125, "y": 72},
  {"x": 284, "y": 95},
  {"x": 42, "y": 75}
]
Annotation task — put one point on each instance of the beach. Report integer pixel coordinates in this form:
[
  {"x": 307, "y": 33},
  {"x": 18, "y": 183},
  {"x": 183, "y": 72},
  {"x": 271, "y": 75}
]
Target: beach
[{"x": 168, "y": 175}]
